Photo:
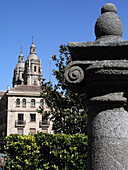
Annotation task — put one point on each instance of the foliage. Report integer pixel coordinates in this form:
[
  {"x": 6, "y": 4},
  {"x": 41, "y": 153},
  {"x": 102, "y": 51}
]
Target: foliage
[
  {"x": 46, "y": 151},
  {"x": 21, "y": 151},
  {"x": 67, "y": 110}
]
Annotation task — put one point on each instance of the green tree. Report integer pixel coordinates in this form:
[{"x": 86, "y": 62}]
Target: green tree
[{"x": 67, "y": 110}]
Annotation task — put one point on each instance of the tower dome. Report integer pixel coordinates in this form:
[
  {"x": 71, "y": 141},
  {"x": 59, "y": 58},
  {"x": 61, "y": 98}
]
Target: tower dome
[{"x": 33, "y": 55}]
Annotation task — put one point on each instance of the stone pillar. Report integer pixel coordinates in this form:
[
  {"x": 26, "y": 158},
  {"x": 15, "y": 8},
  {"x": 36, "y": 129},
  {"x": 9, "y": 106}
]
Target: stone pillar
[{"x": 100, "y": 70}]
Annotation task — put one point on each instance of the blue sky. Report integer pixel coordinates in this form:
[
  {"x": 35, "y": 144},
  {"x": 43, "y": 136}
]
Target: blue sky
[{"x": 52, "y": 23}]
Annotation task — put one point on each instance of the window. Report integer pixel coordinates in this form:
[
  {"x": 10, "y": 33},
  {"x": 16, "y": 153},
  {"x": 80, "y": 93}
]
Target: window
[
  {"x": 17, "y": 102},
  {"x": 24, "y": 102},
  {"x": 22, "y": 75},
  {"x": 35, "y": 83},
  {"x": 34, "y": 68},
  {"x": 20, "y": 131},
  {"x": 33, "y": 131},
  {"x": 20, "y": 117},
  {"x": 32, "y": 117},
  {"x": 44, "y": 118},
  {"x": 33, "y": 102},
  {"x": 41, "y": 102},
  {"x": 39, "y": 69}
]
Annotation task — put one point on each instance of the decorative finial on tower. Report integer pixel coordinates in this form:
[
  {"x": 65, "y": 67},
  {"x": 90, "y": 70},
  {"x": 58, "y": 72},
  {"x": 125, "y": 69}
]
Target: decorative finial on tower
[
  {"x": 21, "y": 54},
  {"x": 21, "y": 57},
  {"x": 33, "y": 47},
  {"x": 21, "y": 50},
  {"x": 108, "y": 23},
  {"x": 32, "y": 40}
]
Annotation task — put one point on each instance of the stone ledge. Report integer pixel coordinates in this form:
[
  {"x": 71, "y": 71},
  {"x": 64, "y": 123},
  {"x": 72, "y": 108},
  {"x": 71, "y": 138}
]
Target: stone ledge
[
  {"x": 99, "y": 50},
  {"x": 115, "y": 97}
]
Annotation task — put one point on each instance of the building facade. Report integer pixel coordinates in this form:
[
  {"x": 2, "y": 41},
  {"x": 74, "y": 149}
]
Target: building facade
[{"x": 19, "y": 105}]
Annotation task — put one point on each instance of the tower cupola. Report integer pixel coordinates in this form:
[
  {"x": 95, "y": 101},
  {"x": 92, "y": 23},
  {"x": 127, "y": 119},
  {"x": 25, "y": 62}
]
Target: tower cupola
[
  {"x": 32, "y": 55},
  {"x": 33, "y": 48},
  {"x": 18, "y": 78},
  {"x": 21, "y": 57}
]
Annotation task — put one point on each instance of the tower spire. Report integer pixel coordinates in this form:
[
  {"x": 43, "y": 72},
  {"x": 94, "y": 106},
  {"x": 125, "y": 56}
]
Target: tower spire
[
  {"x": 21, "y": 50},
  {"x": 32, "y": 40}
]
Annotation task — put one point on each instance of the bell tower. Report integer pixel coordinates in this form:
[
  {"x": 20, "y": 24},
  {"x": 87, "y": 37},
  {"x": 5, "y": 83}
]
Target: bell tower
[
  {"x": 33, "y": 69},
  {"x": 18, "y": 78}
]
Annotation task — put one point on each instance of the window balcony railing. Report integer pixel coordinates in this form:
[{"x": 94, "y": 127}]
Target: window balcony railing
[
  {"x": 44, "y": 123},
  {"x": 20, "y": 122}
]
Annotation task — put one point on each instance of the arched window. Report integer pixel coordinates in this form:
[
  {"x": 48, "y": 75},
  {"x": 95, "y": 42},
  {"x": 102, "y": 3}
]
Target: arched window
[
  {"x": 33, "y": 102},
  {"x": 39, "y": 69},
  {"x": 34, "y": 68},
  {"x": 24, "y": 102},
  {"x": 41, "y": 102},
  {"x": 18, "y": 102}
]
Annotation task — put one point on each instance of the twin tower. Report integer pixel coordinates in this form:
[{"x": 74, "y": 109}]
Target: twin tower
[{"x": 30, "y": 71}]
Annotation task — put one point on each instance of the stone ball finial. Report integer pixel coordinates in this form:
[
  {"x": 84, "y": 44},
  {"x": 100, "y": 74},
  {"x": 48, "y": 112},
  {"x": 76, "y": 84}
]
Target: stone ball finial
[
  {"x": 109, "y": 7},
  {"x": 108, "y": 23}
]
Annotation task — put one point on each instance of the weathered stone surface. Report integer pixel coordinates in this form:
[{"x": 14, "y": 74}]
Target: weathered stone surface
[
  {"x": 109, "y": 7},
  {"x": 99, "y": 49},
  {"x": 98, "y": 77},
  {"x": 108, "y": 23},
  {"x": 108, "y": 140},
  {"x": 109, "y": 154},
  {"x": 74, "y": 75}
]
